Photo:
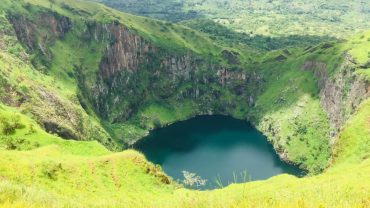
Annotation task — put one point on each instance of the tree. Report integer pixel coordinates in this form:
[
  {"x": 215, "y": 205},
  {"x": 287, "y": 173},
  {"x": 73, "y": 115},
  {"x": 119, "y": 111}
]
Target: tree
[{"x": 192, "y": 179}]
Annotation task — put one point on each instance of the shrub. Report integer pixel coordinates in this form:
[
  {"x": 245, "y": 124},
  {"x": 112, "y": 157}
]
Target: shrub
[
  {"x": 32, "y": 129},
  {"x": 8, "y": 126},
  {"x": 18, "y": 143},
  {"x": 51, "y": 170}
]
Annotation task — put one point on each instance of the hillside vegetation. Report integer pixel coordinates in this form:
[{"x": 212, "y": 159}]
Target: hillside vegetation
[
  {"x": 102, "y": 81},
  {"x": 268, "y": 18},
  {"x": 80, "y": 82},
  {"x": 64, "y": 174}
]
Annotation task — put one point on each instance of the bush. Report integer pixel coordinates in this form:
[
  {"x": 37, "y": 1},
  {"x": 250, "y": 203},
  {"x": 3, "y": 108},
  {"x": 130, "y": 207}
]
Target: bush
[
  {"x": 18, "y": 143},
  {"x": 51, "y": 170},
  {"x": 8, "y": 126},
  {"x": 32, "y": 130}
]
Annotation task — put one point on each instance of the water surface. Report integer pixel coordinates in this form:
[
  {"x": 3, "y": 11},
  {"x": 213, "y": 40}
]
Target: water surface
[{"x": 217, "y": 148}]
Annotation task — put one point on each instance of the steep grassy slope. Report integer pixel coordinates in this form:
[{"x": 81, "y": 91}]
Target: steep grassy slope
[
  {"x": 325, "y": 82},
  {"x": 51, "y": 102},
  {"x": 69, "y": 167}
]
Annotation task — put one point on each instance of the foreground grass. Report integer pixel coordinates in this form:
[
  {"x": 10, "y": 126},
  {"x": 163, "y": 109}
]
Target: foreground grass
[
  {"x": 337, "y": 188},
  {"x": 57, "y": 175}
]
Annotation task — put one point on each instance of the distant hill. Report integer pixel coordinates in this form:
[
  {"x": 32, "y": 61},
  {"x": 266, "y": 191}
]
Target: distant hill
[{"x": 266, "y": 17}]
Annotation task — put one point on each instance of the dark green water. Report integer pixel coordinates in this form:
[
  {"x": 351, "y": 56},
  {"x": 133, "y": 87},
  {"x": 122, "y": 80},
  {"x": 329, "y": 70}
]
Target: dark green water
[{"x": 217, "y": 148}]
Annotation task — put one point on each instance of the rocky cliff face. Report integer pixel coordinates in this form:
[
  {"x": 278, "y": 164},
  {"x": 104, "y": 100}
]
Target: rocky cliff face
[
  {"x": 341, "y": 93},
  {"x": 133, "y": 71},
  {"x": 56, "y": 113},
  {"x": 30, "y": 32}
]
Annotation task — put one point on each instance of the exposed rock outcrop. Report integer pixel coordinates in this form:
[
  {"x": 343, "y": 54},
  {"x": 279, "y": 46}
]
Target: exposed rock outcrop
[
  {"x": 133, "y": 71},
  {"x": 340, "y": 93},
  {"x": 232, "y": 57},
  {"x": 57, "y": 114},
  {"x": 30, "y": 34}
]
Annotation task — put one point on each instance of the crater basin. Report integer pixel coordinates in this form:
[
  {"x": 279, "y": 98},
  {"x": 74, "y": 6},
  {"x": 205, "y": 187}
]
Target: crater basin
[{"x": 220, "y": 149}]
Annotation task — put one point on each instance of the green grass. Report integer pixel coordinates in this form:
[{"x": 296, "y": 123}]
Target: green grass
[
  {"x": 360, "y": 47},
  {"x": 47, "y": 98},
  {"x": 70, "y": 53},
  {"x": 353, "y": 142},
  {"x": 226, "y": 36},
  {"x": 166, "y": 114},
  {"x": 40, "y": 169},
  {"x": 170, "y": 36},
  {"x": 55, "y": 176},
  {"x": 277, "y": 19},
  {"x": 291, "y": 115},
  {"x": 30, "y": 136}
]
